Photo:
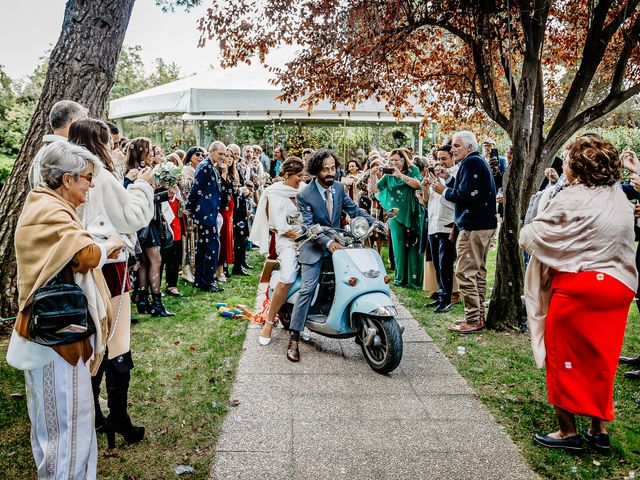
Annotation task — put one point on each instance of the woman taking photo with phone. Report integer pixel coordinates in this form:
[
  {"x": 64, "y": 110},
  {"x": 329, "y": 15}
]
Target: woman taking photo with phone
[{"x": 396, "y": 188}]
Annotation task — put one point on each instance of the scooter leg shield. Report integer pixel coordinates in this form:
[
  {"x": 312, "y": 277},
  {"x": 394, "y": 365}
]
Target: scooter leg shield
[{"x": 374, "y": 303}]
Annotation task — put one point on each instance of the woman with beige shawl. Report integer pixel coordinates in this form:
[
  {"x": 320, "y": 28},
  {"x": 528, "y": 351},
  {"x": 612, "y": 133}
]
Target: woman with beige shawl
[
  {"x": 578, "y": 288},
  {"x": 49, "y": 235}
]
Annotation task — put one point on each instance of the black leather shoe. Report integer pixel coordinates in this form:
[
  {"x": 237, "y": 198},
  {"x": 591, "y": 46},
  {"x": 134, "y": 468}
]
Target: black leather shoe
[
  {"x": 599, "y": 442},
  {"x": 633, "y": 375},
  {"x": 633, "y": 361},
  {"x": 434, "y": 303},
  {"x": 443, "y": 308},
  {"x": 293, "y": 352},
  {"x": 215, "y": 288},
  {"x": 570, "y": 444}
]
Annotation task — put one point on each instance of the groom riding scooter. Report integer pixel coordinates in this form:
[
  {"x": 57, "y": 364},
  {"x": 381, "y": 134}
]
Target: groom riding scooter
[{"x": 321, "y": 202}]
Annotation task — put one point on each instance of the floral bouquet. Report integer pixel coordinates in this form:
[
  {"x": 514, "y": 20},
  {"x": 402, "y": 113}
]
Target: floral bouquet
[{"x": 166, "y": 173}]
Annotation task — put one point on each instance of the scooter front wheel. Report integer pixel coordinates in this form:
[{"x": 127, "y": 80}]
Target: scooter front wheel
[{"x": 384, "y": 351}]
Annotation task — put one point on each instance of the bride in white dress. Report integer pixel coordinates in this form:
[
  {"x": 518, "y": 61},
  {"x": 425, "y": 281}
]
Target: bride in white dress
[{"x": 276, "y": 202}]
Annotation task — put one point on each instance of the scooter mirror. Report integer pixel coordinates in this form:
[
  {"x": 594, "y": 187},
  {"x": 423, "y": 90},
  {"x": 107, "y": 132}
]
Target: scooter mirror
[{"x": 294, "y": 218}]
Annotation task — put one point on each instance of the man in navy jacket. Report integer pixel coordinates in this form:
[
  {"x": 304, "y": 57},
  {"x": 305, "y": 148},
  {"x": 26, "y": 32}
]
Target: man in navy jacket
[
  {"x": 473, "y": 192},
  {"x": 203, "y": 205},
  {"x": 321, "y": 202}
]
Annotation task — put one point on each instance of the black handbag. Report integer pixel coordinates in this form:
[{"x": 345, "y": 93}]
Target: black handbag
[{"x": 60, "y": 313}]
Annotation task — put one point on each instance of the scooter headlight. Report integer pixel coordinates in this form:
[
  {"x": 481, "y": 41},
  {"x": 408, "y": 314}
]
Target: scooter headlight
[
  {"x": 359, "y": 227},
  {"x": 387, "y": 311}
]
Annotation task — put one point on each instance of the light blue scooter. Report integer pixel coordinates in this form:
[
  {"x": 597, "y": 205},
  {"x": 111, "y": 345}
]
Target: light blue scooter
[{"x": 353, "y": 298}]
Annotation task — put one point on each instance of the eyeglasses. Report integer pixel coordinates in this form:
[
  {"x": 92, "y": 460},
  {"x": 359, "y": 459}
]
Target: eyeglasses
[
  {"x": 197, "y": 154},
  {"x": 88, "y": 177}
]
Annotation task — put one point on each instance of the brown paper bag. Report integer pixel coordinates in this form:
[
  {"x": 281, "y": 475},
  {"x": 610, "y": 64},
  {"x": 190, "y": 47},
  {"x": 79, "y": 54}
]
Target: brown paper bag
[
  {"x": 267, "y": 269},
  {"x": 429, "y": 279}
]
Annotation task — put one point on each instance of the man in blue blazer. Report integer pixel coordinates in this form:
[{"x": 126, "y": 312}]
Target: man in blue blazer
[
  {"x": 203, "y": 205},
  {"x": 321, "y": 202}
]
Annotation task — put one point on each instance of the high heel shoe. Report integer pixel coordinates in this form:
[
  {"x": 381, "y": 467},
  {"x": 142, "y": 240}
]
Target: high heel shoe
[
  {"x": 118, "y": 420},
  {"x": 130, "y": 433},
  {"x": 264, "y": 341},
  {"x": 142, "y": 302},
  {"x": 157, "y": 308}
]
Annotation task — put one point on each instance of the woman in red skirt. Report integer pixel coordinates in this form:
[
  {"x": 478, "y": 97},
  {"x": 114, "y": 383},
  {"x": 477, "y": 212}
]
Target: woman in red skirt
[
  {"x": 578, "y": 289},
  {"x": 228, "y": 174}
]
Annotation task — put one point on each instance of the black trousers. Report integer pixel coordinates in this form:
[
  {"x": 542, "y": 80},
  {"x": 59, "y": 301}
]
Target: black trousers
[
  {"x": 443, "y": 255},
  {"x": 239, "y": 252},
  {"x": 172, "y": 261}
]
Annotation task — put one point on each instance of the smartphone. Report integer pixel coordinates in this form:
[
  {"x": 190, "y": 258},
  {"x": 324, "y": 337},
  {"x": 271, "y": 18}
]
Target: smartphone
[
  {"x": 431, "y": 169},
  {"x": 494, "y": 153},
  {"x": 388, "y": 170}
]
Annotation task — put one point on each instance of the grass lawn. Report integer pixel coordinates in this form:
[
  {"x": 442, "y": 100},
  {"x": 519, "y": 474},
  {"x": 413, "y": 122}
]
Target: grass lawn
[
  {"x": 185, "y": 367},
  {"x": 501, "y": 369}
]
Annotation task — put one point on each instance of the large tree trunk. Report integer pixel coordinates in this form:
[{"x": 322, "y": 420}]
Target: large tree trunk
[{"x": 81, "y": 68}]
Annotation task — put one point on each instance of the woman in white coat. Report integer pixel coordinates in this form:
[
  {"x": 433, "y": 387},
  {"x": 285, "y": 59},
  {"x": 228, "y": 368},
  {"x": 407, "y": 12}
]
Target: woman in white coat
[
  {"x": 276, "y": 202},
  {"x": 113, "y": 209}
]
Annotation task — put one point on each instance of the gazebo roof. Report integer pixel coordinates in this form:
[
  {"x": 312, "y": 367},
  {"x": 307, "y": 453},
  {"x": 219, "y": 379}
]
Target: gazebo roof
[{"x": 241, "y": 93}]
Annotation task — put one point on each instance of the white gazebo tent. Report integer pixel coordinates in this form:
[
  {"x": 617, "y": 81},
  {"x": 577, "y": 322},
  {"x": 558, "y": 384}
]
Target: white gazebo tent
[{"x": 245, "y": 93}]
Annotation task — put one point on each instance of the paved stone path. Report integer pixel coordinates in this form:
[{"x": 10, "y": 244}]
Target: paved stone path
[{"x": 331, "y": 417}]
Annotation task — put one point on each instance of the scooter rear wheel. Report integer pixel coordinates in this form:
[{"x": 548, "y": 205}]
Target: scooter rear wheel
[{"x": 385, "y": 357}]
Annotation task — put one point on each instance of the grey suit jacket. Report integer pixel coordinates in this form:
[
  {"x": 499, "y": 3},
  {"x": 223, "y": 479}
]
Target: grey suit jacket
[{"x": 314, "y": 211}]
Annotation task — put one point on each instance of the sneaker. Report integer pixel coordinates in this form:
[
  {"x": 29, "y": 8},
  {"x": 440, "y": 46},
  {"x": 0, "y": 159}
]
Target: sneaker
[{"x": 433, "y": 303}]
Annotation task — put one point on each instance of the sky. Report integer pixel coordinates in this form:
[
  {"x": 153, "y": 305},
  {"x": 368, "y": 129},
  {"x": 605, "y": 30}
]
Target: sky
[{"x": 25, "y": 36}]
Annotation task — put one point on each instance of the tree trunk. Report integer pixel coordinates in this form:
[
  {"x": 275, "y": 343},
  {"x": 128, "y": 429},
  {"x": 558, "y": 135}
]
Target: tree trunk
[
  {"x": 506, "y": 309},
  {"x": 81, "y": 68}
]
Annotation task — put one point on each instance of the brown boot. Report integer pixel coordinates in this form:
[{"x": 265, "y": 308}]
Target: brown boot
[
  {"x": 455, "y": 298},
  {"x": 293, "y": 353}
]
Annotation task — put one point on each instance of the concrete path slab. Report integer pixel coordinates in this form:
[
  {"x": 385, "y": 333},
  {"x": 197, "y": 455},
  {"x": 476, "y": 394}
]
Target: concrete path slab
[{"x": 331, "y": 417}]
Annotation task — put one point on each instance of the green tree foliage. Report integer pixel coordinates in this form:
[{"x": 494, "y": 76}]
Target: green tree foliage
[
  {"x": 17, "y": 103},
  {"x": 18, "y": 99}
]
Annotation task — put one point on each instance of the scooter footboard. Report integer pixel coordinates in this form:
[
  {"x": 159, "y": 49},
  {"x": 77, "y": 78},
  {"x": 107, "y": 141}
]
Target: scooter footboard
[{"x": 377, "y": 304}]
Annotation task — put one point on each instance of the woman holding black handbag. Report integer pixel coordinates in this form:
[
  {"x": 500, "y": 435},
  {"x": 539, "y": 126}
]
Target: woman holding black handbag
[
  {"x": 113, "y": 208},
  {"x": 49, "y": 237}
]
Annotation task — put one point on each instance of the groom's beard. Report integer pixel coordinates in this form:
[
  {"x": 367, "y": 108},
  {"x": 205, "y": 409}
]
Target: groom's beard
[{"x": 327, "y": 181}]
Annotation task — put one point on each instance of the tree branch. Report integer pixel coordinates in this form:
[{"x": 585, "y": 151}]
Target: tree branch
[
  {"x": 629, "y": 44},
  {"x": 592, "y": 113},
  {"x": 593, "y": 52}
]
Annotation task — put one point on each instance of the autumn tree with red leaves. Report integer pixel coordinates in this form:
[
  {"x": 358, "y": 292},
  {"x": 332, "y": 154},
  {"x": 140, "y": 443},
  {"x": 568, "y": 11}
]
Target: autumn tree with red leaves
[{"x": 540, "y": 69}]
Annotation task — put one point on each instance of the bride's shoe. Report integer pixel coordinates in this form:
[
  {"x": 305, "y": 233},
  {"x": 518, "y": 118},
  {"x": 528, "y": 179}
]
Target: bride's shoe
[{"x": 264, "y": 341}]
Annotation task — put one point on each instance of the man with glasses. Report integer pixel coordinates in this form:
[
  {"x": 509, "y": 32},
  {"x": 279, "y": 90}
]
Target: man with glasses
[{"x": 204, "y": 205}]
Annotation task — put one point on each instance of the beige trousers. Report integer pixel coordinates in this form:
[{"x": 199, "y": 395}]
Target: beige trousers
[{"x": 471, "y": 273}]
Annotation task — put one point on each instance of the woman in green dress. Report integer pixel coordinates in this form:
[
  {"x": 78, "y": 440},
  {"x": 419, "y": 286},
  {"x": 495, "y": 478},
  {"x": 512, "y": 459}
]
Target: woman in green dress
[{"x": 397, "y": 186}]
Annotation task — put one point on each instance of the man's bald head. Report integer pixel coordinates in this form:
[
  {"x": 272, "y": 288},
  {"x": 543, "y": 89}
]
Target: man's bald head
[{"x": 217, "y": 150}]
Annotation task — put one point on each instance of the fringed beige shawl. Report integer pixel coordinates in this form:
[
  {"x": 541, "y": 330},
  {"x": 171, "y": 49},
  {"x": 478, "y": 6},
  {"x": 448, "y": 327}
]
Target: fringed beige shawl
[{"x": 581, "y": 229}]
